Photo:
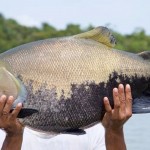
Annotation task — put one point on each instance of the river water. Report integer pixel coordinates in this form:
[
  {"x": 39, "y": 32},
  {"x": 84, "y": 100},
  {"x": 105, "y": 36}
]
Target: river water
[{"x": 137, "y": 132}]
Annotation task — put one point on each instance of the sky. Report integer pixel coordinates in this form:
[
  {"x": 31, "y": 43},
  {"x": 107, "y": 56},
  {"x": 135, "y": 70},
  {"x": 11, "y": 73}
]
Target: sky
[{"x": 124, "y": 16}]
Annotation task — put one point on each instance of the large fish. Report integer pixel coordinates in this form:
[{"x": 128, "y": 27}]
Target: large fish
[{"x": 62, "y": 81}]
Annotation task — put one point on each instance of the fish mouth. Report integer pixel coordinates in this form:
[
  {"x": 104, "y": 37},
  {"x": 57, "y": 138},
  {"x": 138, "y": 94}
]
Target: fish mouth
[{"x": 141, "y": 105}]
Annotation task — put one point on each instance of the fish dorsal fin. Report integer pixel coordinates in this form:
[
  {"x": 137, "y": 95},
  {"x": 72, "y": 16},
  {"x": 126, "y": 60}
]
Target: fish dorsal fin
[
  {"x": 99, "y": 34},
  {"x": 145, "y": 55}
]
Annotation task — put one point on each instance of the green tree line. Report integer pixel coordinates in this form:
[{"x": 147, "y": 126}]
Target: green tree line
[{"x": 13, "y": 34}]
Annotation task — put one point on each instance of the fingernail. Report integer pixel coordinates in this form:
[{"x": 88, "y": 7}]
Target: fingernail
[
  {"x": 3, "y": 98},
  {"x": 19, "y": 104},
  {"x": 128, "y": 86},
  {"x": 11, "y": 97},
  {"x": 115, "y": 90},
  {"x": 105, "y": 98},
  {"x": 121, "y": 86}
]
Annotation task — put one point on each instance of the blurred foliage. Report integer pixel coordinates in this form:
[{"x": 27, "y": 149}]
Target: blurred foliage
[{"x": 13, "y": 34}]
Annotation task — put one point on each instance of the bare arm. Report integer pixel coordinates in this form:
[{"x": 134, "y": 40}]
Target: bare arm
[
  {"x": 12, "y": 142},
  {"x": 114, "y": 119},
  {"x": 9, "y": 122},
  {"x": 115, "y": 140}
]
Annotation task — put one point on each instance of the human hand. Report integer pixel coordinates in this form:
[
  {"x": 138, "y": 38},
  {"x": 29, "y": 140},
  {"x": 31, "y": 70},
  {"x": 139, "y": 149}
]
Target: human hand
[
  {"x": 114, "y": 119},
  {"x": 8, "y": 121}
]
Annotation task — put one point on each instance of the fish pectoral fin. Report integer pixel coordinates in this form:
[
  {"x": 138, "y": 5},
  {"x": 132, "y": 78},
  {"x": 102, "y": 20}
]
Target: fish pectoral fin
[
  {"x": 145, "y": 55},
  {"x": 74, "y": 131},
  {"x": 141, "y": 105},
  {"x": 25, "y": 112},
  {"x": 99, "y": 34}
]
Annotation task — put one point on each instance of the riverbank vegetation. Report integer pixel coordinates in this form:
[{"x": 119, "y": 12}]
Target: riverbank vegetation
[{"x": 13, "y": 34}]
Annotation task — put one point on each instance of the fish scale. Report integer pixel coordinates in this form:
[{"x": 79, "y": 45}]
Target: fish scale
[{"x": 62, "y": 81}]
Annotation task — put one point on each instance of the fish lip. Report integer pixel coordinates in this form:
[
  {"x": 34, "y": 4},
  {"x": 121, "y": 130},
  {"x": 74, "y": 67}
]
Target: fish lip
[{"x": 141, "y": 105}]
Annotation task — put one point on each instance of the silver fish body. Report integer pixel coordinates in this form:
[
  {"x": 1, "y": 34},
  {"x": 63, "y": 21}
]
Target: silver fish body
[{"x": 66, "y": 79}]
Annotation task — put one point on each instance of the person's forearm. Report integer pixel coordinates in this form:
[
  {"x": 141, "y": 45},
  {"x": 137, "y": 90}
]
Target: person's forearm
[
  {"x": 12, "y": 142},
  {"x": 115, "y": 140}
]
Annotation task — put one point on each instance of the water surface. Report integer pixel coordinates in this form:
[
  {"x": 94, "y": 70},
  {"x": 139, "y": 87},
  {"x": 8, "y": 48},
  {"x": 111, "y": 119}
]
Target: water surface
[{"x": 137, "y": 132}]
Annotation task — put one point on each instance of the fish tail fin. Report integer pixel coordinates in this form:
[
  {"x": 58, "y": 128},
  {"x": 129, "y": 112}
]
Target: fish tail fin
[{"x": 141, "y": 105}]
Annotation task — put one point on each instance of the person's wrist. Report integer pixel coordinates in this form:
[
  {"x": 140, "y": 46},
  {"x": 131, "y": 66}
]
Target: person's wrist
[
  {"x": 15, "y": 133},
  {"x": 114, "y": 131},
  {"x": 10, "y": 134}
]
